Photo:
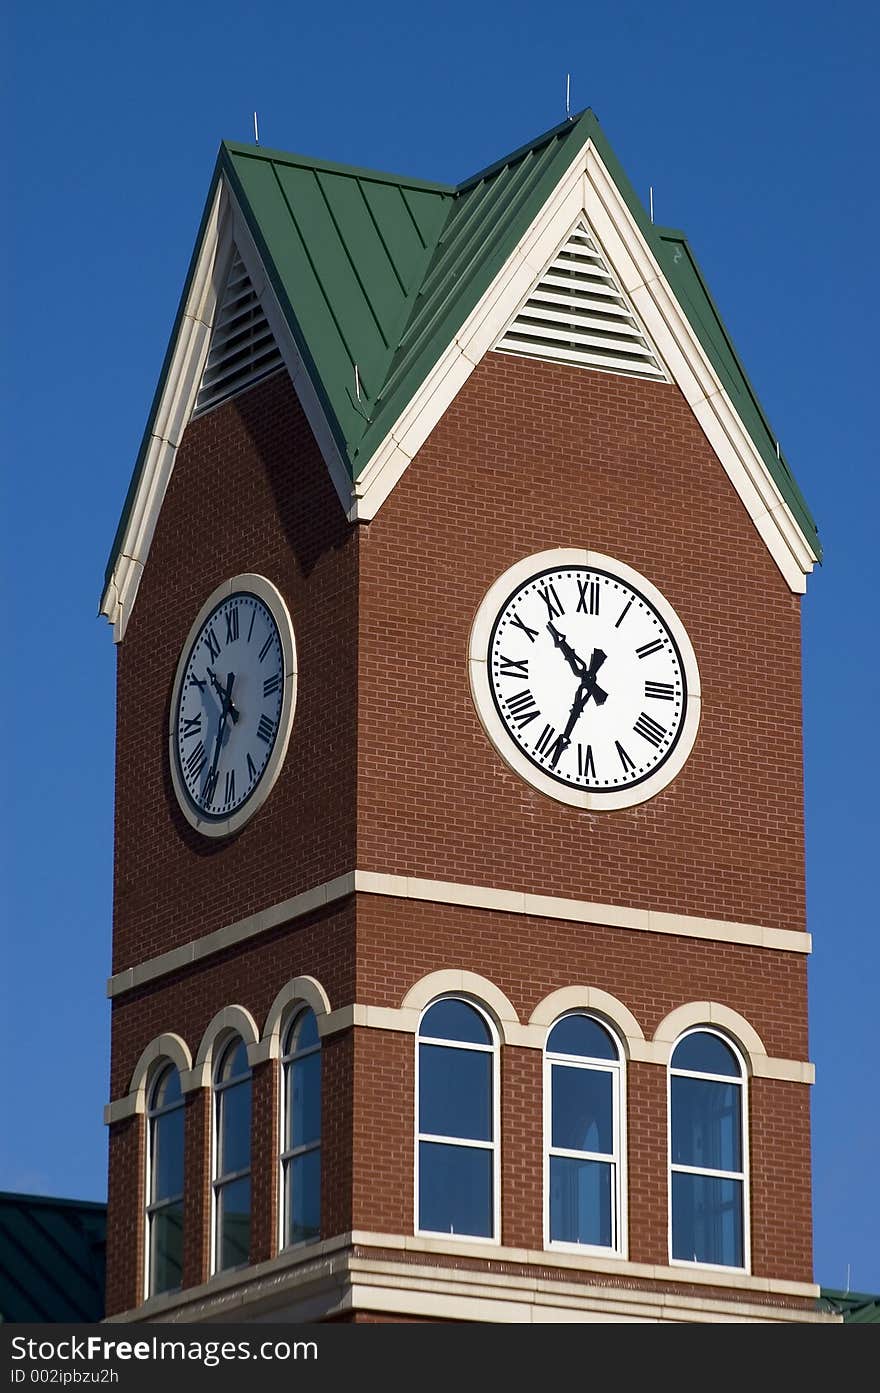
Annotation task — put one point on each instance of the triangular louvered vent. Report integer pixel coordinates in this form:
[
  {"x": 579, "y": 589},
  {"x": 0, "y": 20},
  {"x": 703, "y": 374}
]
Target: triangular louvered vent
[
  {"x": 243, "y": 349},
  {"x": 577, "y": 313}
]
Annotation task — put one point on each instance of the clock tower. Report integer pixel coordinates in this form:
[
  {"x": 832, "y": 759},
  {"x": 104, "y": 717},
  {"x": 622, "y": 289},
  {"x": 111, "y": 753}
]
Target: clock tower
[{"x": 459, "y": 954}]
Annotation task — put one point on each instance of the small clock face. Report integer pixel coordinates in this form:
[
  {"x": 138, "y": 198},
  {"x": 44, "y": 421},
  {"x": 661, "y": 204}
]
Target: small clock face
[
  {"x": 232, "y": 705},
  {"x": 591, "y": 679}
]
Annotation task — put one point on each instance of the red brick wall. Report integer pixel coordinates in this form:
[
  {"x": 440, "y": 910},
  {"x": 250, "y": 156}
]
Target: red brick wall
[
  {"x": 249, "y": 493},
  {"x": 532, "y": 456}
]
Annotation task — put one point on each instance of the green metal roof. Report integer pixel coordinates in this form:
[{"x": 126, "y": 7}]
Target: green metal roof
[
  {"x": 51, "y": 1259},
  {"x": 381, "y": 271},
  {"x": 857, "y": 1308}
]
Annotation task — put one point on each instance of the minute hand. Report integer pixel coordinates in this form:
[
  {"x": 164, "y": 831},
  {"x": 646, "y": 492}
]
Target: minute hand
[{"x": 587, "y": 689}]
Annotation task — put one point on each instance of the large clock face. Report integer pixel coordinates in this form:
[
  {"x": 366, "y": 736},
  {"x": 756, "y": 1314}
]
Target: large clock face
[
  {"x": 232, "y": 705},
  {"x": 592, "y": 681}
]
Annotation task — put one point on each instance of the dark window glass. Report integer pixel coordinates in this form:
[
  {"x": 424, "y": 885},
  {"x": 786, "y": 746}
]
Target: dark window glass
[
  {"x": 167, "y": 1160},
  {"x": 304, "y": 1100},
  {"x": 706, "y": 1124},
  {"x": 234, "y": 1224},
  {"x": 167, "y": 1089},
  {"x": 304, "y": 1033},
  {"x": 235, "y": 1128},
  {"x": 234, "y": 1064},
  {"x": 304, "y": 1197},
  {"x": 703, "y": 1053},
  {"x": 455, "y": 1189},
  {"x": 455, "y": 1020},
  {"x": 707, "y": 1219},
  {"x": 455, "y": 1092},
  {"x": 582, "y": 1109},
  {"x": 166, "y": 1248},
  {"x": 580, "y": 1035},
  {"x": 580, "y": 1201}
]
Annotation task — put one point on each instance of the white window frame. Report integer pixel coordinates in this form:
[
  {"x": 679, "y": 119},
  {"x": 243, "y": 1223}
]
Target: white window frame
[
  {"x": 286, "y": 1060},
  {"x": 152, "y": 1207},
  {"x": 617, "y": 1159},
  {"x": 741, "y": 1176},
  {"x": 218, "y": 1183},
  {"x": 494, "y": 1145}
]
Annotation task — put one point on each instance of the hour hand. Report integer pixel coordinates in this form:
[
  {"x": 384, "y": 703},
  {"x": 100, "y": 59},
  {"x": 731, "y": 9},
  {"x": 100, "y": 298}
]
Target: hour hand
[
  {"x": 225, "y": 694},
  {"x": 577, "y": 665}
]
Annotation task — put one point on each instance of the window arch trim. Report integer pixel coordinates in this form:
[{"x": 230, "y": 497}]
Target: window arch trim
[
  {"x": 471, "y": 987},
  {"x": 305, "y": 991},
  {"x": 232, "y": 1020},
  {"x": 712, "y": 1016}
]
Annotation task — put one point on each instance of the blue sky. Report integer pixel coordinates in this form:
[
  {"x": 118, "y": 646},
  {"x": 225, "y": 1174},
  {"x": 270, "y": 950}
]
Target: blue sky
[{"x": 756, "y": 128}]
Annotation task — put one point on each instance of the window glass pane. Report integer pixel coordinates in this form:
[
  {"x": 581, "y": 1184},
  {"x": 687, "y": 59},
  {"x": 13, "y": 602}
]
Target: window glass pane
[
  {"x": 167, "y": 1089},
  {"x": 166, "y": 1248},
  {"x": 455, "y": 1020},
  {"x": 706, "y": 1124},
  {"x": 304, "y": 1197},
  {"x": 580, "y": 1201},
  {"x": 304, "y": 1033},
  {"x": 581, "y": 1035},
  {"x": 234, "y": 1064},
  {"x": 455, "y": 1092},
  {"x": 304, "y": 1100},
  {"x": 235, "y": 1128},
  {"x": 705, "y": 1054},
  {"x": 167, "y": 1158},
  {"x": 707, "y": 1219},
  {"x": 582, "y": 1109},
  {"x": 233, "y": 1224},
  {"x": 455, "y": 1189}
]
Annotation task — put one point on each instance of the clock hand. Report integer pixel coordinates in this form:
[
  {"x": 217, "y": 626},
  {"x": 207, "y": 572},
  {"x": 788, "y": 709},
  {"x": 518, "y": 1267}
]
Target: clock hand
[
  {"x": 226, "y": 710},
  {"x": 234, "y": 713},
  {"x": 578, "y": 666},
  {"x": 588, "y": 688}
]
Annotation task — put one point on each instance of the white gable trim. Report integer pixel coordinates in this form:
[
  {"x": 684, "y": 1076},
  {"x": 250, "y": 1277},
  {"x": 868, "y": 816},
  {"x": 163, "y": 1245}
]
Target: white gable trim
[
  {"x": 588, "y": 189},
  {"x": 225, "y": 230}
]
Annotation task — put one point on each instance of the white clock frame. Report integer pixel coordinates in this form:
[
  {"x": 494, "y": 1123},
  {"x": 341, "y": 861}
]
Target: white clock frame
[
  {"x": 272, "y": 598},
  {"x": 478, "y": 667}
]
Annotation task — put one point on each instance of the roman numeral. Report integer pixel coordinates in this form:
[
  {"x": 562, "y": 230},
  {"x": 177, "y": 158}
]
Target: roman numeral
[
  {"x": 549, "y": 742},
  {"x": 660, "y": 691},
  {"x": 192, "y": 727},
  {"x": 271, "y": 685},
  {"x": 511, "y": 668},
  {"x": 232, "y": 624},
  {"x": 623, "y": 613},
  {"x": 522, "y": 707},
  {"x": 531, "y": 634},
  {"x": 624, "y": 758},
  {"x": 588, "y": 597},
  {"x": 649, "y": 729},
  {"x": 266, "y": 646},
  {"x": 648, "y": 648},
  {"x": 230, "y": 787},
  {"x": 251, "y": 625},
  {"x": 252, "y": 770},
  {"x": 194, "y": 681},
  {"x": 552, "y": 601},
  {"x": 213, "y": 645},
  {"x": 196, "y": 760},
  {"x": 586, "y": 766},
  {"x": 265, "y": 730}
]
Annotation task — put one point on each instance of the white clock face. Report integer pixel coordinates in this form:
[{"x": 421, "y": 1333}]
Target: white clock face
[
  {"x": 591, "y": 679},
  {"x": 232, "y": 705}
]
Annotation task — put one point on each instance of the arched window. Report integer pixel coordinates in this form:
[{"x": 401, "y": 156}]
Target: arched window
[
  {"x": 301, "y": 1130},
  {"x": 232, "y": 1156},
  {"x": 707, "y": 1151},
  {"x": 583, "y": 1112},
  {"x": 457, "y": 1169},
  {"x": 165, "y": 1110}
]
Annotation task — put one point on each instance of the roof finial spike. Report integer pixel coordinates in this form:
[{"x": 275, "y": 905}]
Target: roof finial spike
[
  {"x": 651, "y": 200},
  {"x": 256, "y": 130},
  {"x": 778, "y": 456},
  {"x": 568, "y": 95},
  {"x": 357, "y": 382}
]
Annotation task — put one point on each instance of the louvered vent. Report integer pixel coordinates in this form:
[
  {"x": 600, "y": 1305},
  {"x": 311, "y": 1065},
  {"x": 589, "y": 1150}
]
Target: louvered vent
[
  {"x": 577, "y": 313},
  {"x": 243, "y": 349}
]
